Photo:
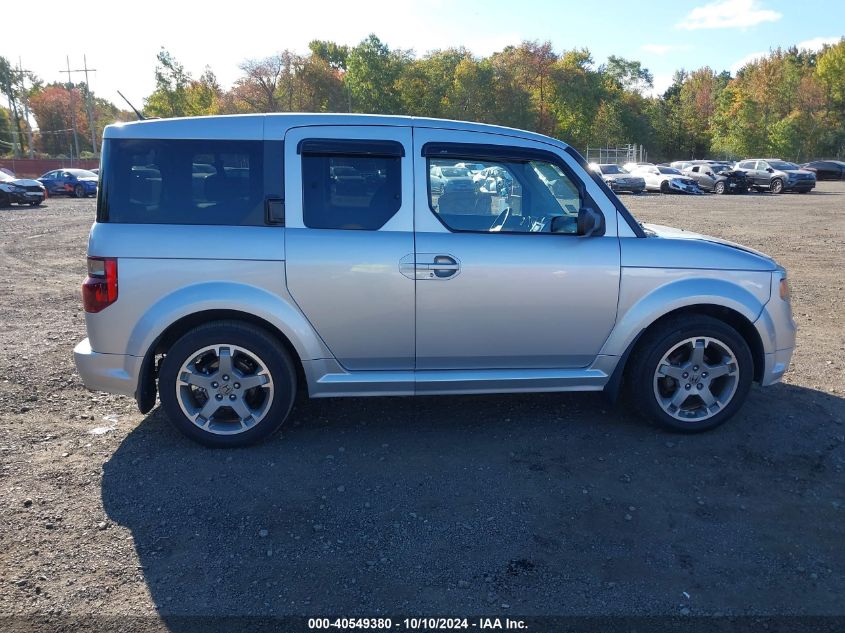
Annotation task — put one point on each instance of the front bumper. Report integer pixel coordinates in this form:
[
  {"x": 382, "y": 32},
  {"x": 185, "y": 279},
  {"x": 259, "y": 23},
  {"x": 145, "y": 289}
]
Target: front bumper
[
  {"x": 799, "y": 185},
  {"x": 775, "y": 366},
  {"x": 26, "y": 197},
  {"x": 778, "y": 331},
  {"x": 113, "y": 373}
]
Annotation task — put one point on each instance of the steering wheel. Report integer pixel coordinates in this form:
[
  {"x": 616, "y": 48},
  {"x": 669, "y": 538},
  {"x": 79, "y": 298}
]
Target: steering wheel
[{"x": 500, "y": 220}]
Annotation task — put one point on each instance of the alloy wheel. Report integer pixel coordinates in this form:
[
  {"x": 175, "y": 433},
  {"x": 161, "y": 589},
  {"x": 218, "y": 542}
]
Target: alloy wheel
[
  {"x": 224, "y": 389},
  {"x": 696, "y": 379}
]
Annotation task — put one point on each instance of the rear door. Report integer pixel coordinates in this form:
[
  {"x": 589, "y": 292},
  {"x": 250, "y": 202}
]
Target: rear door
[
  {"x": 496, "y": 289},
  {"x": 349, "y": 227}
]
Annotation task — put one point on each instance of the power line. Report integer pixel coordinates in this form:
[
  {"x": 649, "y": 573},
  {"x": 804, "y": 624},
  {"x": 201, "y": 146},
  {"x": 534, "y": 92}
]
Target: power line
[{"x": 88, "y": 105}]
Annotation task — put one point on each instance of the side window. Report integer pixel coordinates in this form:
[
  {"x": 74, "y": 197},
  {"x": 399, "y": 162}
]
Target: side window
[
  {"x": 696, "y": 169},
  {"x": 184, "y": 182},
  {"x": 761, "y": 165},
  {"x": 504, "y": 196},
  {"x": 350, "y": 190}
]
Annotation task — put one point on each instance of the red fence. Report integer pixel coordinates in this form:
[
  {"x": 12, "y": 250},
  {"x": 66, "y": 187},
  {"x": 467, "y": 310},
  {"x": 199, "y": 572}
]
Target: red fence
[{"x": 35, "y": 167}]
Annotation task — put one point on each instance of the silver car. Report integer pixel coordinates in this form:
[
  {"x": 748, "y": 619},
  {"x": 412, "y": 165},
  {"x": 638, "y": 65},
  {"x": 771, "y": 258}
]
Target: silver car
[{"x": 226, "y": 289}]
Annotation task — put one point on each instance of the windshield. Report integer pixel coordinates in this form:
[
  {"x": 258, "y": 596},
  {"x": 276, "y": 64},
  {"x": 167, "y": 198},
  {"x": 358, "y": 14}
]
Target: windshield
[
  {"x": 454, "y": 172},
  {"x": 669, "y": 170},
  {"x": 612, "y": 169},
  {"x": 81, "y": 173},
  {"x": 782, "y": 164}
]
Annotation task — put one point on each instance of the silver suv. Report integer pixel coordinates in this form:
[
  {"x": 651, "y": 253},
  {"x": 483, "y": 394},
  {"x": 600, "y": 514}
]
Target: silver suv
[{"x": 235, "y": 260}]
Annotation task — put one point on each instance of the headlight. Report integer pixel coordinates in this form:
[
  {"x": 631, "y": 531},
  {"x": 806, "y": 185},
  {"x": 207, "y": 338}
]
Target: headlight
[{"x": 784, "y": 289}]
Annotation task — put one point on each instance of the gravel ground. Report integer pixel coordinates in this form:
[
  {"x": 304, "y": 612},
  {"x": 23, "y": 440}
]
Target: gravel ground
[{"x": 535, "y": 504}]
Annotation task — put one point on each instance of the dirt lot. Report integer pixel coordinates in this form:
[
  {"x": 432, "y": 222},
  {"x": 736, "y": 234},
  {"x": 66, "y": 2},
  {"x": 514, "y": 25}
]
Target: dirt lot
[{"x": 548, "y": 504}]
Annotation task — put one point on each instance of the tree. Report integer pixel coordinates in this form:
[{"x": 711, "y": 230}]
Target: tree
[
  {"x": 170, "y": 98},
  {"x": 372, "y": 72},
  {"x": 54, "y": 109}
]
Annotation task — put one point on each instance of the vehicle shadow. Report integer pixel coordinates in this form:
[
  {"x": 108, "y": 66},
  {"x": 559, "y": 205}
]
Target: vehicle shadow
[{"x": 529, "y": 504}]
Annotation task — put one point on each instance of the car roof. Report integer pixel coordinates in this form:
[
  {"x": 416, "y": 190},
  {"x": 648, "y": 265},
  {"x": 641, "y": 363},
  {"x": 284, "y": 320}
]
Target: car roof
[{"x": 257, "y": 126}]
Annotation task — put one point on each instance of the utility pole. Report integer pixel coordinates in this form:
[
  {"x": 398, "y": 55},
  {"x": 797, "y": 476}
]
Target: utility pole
[
  {"x": 72, "y": 109},
  {"x": 89, "y": 108},
  {"x": 25, "y": 99}
]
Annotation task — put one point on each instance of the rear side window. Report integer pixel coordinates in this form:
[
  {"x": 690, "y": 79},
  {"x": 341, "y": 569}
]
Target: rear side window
[
  {"x": 349, "y": 185},
  {"x": 182, "y": 182}
]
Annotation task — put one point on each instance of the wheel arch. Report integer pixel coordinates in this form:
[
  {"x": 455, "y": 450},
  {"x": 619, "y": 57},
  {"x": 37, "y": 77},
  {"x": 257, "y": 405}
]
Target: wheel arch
[
  {"x": 146, "y": 391},
  {"x": 727, "y": 315}
]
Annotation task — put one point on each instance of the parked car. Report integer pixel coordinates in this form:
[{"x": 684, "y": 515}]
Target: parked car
[
  {"x": 473, "y": 168},
  {"x": 78, "y": 183},
  {"x": 20, "y": 191},
  {"x": 618, "y": 179},
  {"x": 666, "y": 179},
  {"x": 717, "y": 178},
  {"x": 826, "y": 169},
  {"x": 450, "y": 178},
  {"x": 680, "y": 165},
  {"x": 390, "y": 294},
  {"x": 776, "y": 175}
]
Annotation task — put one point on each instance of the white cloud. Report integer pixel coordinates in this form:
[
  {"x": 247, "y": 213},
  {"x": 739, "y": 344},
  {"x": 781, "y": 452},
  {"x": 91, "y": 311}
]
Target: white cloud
[
  {"x": 728, "y": 14},
  {"x": 658, "y": 49},
  {"x": 662, "y": 81},
  {"x": 737, "y": 65},
  {"x": 817, "y": 43}
]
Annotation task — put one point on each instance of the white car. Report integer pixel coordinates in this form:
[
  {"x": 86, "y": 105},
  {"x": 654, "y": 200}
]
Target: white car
[{"x": 665, "y": 179}]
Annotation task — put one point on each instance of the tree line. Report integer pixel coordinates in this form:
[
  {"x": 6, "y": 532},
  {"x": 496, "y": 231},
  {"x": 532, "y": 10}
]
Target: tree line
[{"x": 789, "y": 103}]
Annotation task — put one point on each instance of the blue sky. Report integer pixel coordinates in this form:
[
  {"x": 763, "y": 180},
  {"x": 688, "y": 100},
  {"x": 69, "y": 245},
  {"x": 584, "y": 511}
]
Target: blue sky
[{"x": 663, "y": 34}]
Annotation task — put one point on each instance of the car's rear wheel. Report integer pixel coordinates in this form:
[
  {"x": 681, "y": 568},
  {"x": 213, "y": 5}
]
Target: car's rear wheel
[
  {"x": 719, "y": 187},
  {"x": 79, "y": 191},
  {"x": 776, "y": 186},
  {"x": 690, "y": 374},
  {"x": 227, "y": 384}
]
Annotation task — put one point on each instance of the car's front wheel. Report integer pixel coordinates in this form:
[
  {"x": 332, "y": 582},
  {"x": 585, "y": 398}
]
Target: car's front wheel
[
  {"x": 776, "y": 186},
  {"x": 719, "y": 187},
  {"x": 690, "y": 373},
  {"x": 79, "y": 191},
  {"x": 227, "y": 384}
]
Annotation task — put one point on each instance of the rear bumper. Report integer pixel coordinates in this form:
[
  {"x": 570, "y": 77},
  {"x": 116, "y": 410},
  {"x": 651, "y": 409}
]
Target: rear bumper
[{"x": 113, "y": 373}]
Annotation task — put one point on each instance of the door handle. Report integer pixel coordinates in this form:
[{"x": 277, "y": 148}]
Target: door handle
[
  {"x": 429, "y": 266},
  {"x": 443, "y": 267}
]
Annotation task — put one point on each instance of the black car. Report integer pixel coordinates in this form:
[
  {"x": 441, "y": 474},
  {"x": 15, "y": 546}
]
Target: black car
[
  {"x": 20, "y": 191},
  {"x": 717, "y": 177},
  {"x": 826, "y": 169}
]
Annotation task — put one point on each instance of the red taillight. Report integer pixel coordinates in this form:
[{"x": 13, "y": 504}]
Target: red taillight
[{"x": 99, "y": 290}]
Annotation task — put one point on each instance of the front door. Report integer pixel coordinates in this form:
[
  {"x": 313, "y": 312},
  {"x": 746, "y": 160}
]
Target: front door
[
  {"x": 503, "y": 281},
  {"x": 349, "y": 225}
]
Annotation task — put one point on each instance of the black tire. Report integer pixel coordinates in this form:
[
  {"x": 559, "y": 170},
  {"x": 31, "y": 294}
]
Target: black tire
[
  {"x": 34, "y": 204},
  {"x": 278, "y": 363},
  {"x": 776, "y": 186},
  {"x": 664, "y": 187},
  {"x": 719, "y": 187},
  {"x": 79, "y": 191},
  {"x": 659, "y": 340},
  {"x": 5, "y": 199}
]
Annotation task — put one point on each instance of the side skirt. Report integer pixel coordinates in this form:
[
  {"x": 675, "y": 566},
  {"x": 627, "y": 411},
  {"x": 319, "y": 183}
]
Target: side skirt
[{"x": 327, "y": 379}]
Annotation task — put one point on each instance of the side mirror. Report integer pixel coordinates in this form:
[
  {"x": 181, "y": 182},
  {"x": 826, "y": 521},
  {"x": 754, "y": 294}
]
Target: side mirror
[
  {"x": 770, "y": 170},
  {"x": 590, "y": 222}
]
